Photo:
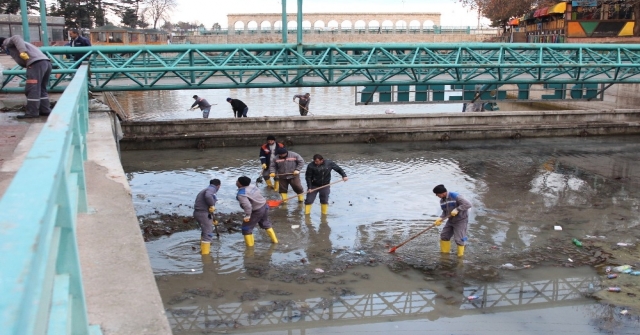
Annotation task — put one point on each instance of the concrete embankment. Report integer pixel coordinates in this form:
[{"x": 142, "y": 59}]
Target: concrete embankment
[{"x": 206, "y": 133}]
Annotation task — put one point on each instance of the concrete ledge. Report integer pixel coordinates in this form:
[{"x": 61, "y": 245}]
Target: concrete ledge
[
  {"x": 199, "y": 133},
  {"x": 120, "y": 289}
]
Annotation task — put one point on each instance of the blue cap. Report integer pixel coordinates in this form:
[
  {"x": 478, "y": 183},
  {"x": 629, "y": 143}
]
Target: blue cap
[{"x": 229, "y": 99}]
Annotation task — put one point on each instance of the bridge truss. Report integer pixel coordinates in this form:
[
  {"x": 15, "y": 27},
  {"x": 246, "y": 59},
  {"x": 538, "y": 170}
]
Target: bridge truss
[{"x": 210, "y": 66}]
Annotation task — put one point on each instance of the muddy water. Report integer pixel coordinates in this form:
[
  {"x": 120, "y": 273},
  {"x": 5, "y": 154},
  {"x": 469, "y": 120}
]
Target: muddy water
[
  {"x": 333, "y": 273},
  {"x": 170, "y": 105}
]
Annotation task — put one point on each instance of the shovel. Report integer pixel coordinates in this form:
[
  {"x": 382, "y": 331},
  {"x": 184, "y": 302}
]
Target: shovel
[
  {"x": 214, "y": 225},
  {"x": 276, "y": 203}
]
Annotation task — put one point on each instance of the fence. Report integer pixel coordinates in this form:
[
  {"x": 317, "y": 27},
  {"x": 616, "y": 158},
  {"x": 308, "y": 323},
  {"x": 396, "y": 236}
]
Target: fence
[{"x": 41, "y": 282}]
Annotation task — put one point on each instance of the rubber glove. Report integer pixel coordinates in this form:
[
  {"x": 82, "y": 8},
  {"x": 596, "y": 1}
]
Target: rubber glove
[
  {"x": 454, "y": 212},
  {"x": 212, "y": 209},
  {"x": 264, "y": 166},
  {"x": 246, "y": 219},
  {"x": 215, "y": 222},
  {"x": 24, "y": 55},
  {"x": 272, "y": 175},
  {"x": 295, "y": 172},
  {"x": 438, "y": 222}
]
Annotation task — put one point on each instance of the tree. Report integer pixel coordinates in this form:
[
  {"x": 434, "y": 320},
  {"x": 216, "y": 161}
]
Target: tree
[
  {"x": 13, "y": 6},
  {"x": 216, "y": 26},
  {"x": 159, "y": 9}
]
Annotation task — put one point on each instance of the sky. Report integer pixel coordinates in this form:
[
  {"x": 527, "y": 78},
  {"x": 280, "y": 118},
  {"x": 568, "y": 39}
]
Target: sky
[{"x": 209, "y": 11}]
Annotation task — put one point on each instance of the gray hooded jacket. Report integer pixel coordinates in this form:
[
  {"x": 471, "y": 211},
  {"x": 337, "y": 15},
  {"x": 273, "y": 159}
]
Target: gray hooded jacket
[
  {"x": 250, "y": 199},
  {"x": 16, "y": 45}
]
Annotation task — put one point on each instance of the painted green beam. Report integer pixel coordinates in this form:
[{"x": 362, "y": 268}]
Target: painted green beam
[{"x": 200, "y": 66}]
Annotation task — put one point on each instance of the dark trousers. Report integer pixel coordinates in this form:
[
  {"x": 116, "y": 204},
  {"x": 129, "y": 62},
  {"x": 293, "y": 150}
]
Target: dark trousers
[
  {"x": 323, "y": 192},
  {"x": 36, "y": 88},
  {"x": 294, "y": 182},
  {"x": 303, "y": 109},
  {"x": 258, "y": 217},
  {"x": 243, "y": 113}
]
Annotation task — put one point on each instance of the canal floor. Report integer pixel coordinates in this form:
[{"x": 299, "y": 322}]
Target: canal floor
[{"x": 333, "y": 273}]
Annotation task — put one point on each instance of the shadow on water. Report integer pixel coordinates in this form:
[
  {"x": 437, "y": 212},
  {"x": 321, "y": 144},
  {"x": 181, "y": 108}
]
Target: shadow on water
[{"x": 333, "y": 273}]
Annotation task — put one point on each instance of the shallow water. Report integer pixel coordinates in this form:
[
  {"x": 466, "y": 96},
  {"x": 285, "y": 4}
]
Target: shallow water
[
  {"x": 519, "y": 189},
  {"x": 170, "y": 105}
]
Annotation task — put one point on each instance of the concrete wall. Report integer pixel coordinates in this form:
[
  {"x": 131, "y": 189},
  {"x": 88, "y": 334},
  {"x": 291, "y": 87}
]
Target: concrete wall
[
  {"x": 619, "y": 96},
  {"x": 203, "y": 133}
]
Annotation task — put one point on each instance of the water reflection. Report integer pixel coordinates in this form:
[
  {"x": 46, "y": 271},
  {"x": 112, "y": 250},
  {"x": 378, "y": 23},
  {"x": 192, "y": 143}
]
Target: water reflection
[{"x": 559, "y": 288}]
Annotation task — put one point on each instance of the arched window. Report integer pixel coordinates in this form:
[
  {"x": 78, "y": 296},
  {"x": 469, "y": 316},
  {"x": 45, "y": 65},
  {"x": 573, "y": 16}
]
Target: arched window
[
  {"x": 265, "y": 26},
  {"x": 414, "y": 25},
  {"x": 346, "y": 25},
  {"x": 333, "y": 25},
  {"x": 402, "y": 24},
  {"x": 318, "y": 25},
  {"x": 428, "y": 24},
  {"x": 238, "y": 26},
  {"x": 252, "y": 25},
  {"x": 360, "y": 25}
]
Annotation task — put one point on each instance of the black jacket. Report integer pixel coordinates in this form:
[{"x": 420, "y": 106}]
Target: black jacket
[
  {"x": 320, "y": 175},
  {"x": 237, "y": 105}
]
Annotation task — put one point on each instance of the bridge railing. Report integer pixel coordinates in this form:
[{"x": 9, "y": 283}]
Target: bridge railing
[{"x": 40, "y": 279}]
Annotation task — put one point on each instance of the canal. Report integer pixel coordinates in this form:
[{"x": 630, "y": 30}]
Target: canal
[{"x": 333, "y": 273}]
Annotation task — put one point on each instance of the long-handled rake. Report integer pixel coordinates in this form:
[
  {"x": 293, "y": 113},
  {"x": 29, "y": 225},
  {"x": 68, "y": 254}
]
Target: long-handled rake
[
  {"x": 305, "y": 108},
  {"x": 392, "y": 250},
  {"x": 276, "y": 203}
]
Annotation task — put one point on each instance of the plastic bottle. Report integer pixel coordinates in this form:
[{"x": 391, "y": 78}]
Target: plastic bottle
[
  {"x": 621, "y": 268},
  {"x": 613, "y": 276},
  {"x": 614, "y": 289},
  {"x": 635, "y": 273},
  {"x": 577, "y": 242}
]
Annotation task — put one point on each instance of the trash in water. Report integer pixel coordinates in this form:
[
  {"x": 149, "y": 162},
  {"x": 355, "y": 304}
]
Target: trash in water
[
  {"x": 473, "y": 297},
  {"x": 624, "y": 312},
  {"x": 570, "y": 260},
  {"x": 576, "y": 242},
  {"x": 635, "y": 273},
  {"x": 627, "y": 271},
  {"x": 295, "y": 226},
  {"x": 621, "y": 268},
  {"x": 612, "y": 276},
  {"x": 508, "y": 266},
  {"x": 318, "y": 270},
  {"x": 623, "y": 244},
  {"x": 614, "y": 289},
  {"x": 557, "y": 227},
  {"x": 608, "y": 269}
]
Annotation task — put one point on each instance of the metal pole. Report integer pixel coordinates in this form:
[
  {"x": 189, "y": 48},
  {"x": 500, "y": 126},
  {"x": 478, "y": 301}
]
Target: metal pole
[
  {"x": 26, "y": 36},
  {"x": 299, "y": 22},
  {"x": 299, "y": 47},
  {"x": 284, "y": 21},
  {"x": 43, "y": 23}
]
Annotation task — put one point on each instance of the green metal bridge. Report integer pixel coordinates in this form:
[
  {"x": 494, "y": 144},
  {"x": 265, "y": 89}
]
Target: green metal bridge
[{"x": 211, "y": 66}]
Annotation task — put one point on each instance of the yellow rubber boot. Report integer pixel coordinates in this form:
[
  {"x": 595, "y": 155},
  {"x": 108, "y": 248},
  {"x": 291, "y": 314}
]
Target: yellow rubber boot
[
  {"x": 445, "y": 246},
  {"x": 300, "y": 197},
  {"x": 307, "y": 209},
  {"x": 272, "y": 234},
  {"x": 324, "y": 209},
  {"x": 284, "y": 196},
  {"x": 205, "y": 248},
  {"x": 268, "y": 181},
  {"x": 276, "y": 186},
  {"x": 248, "y": 240},
  {"x": 460, "y": 250}
]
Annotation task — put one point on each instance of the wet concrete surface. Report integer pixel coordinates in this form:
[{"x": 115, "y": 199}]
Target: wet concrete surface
[{"x": 333, "y": 273}]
